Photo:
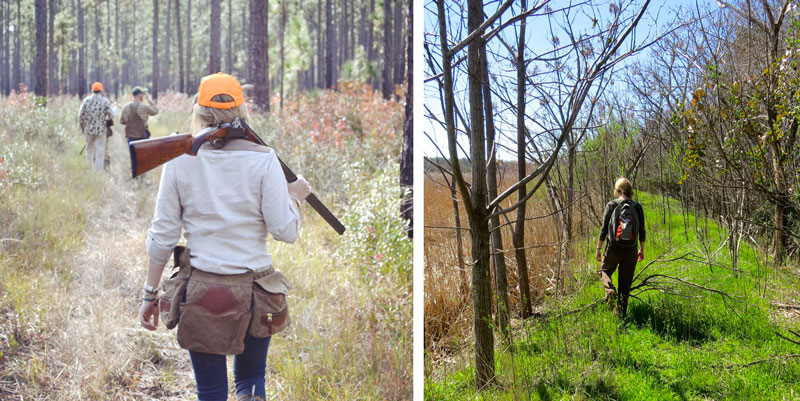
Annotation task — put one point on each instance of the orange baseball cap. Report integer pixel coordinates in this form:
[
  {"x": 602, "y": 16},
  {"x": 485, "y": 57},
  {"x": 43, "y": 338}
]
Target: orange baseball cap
[
  {"x": 219, "y": 84},
  {"x": 97, "y": 86}
]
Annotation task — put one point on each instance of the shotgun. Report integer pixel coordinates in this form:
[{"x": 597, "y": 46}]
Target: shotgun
[{"x": 148, "y": 154}]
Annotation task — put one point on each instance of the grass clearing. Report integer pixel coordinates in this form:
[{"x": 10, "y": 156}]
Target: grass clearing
[{"x": 687, "y": 344}]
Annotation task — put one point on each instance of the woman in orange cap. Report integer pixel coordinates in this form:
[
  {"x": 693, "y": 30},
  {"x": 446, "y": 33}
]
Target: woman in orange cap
[{"x": 228, "y": 296}]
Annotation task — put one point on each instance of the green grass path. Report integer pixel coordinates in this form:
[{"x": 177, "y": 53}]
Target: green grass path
[{"x": 687, "y": 344}]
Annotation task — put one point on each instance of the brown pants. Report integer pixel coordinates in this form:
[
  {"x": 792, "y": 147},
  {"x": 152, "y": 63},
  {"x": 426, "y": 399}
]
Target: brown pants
[{"x": 626, "y": 260}]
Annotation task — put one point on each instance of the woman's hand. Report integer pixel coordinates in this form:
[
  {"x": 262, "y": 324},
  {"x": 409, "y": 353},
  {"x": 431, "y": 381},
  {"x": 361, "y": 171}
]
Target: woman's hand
[
  {"x": 641, "y": 256},
  {"x": 299, "y": 189},
  {"x": 598, "y": 257},
  {"x": 149, "y": 309}
]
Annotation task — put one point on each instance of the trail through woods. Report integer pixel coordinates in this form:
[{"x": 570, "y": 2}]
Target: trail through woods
[
  {"x": 73, "y": 260},
  {"x": 103, "y": 348}
]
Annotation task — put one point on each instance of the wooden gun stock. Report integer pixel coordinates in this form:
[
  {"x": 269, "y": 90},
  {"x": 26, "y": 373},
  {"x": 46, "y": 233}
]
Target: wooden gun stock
[{"x": 150, "y": 153}]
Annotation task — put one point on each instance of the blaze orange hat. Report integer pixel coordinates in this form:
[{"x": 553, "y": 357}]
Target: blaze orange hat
[
  {"x": 97, "y": 86},
  {"x": 219, "y": 84}
]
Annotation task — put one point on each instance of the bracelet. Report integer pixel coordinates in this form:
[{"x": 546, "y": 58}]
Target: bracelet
[
  {"x": 599, "y": 248},
  {"x": 148, "y": 299}
]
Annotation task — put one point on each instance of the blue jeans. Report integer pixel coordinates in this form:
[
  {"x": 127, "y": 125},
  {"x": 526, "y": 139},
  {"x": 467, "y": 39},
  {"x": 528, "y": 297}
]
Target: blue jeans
[
  {"x": 146, "y": 136},
  {"x": 249, "y": 369}
]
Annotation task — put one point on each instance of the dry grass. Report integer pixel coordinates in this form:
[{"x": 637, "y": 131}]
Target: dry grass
[
  {"x": 69, "y": 325},
  {"x": 448, "y": 303}
]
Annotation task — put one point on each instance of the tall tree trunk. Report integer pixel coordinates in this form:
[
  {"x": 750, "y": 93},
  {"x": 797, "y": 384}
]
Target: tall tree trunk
[
  {"x": 17, "y": 75},
  {"x": 478, "y": 222},
  {"x": 214, "y": 62},
  {"x": 40, "y": 65},
  {"x": 518, "y": 235},
  {"x": 362, "y": 27},
  {"x": 51, "y": 60},
  {"x": 475, "y": 208},
  {"x": 399, "y": 64},
  {"x": 165, "y": 74},
  {"x": 499, "y": 258},
  {"x": 320, "y": 48},
  {"x": 126, "y": 55},
  {"x": 154, "y": 74},
  {"x": 181, "y": 75},
  {"x": 81, "y": 52},
  {"x": 229, "y": 50},
  {"x": 259, "y": 52},
  {"x": 283, "y": 61},
  {"x": 386, "y": 74},
  {"x": 407, "y": 157},
  {"x": 3, "y": 38},
  {"x": 95, "y": 49},
  {"x": 245, "y": 38},
  {"x": 117, "y": 50},
  {"x": 329, "y": 83},
  {"x": 108, "y": 73},
  {"x": 370, "y": 33},
  {"x": 190, "y": 86}
]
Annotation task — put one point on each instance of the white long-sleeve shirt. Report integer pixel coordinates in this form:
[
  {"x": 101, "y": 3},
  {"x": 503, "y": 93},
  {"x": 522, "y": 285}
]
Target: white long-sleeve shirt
[{"x": 226, "y": 201}]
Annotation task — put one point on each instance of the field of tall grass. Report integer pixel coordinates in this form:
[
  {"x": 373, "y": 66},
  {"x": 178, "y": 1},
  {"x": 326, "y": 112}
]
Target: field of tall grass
[
  {"x": 72, "y": 258},
  {"x": 699, "y": 331}
]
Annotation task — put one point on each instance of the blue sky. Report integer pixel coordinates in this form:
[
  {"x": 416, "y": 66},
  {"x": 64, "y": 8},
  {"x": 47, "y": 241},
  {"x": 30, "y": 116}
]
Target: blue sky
[{"x": 540, "y": 31}]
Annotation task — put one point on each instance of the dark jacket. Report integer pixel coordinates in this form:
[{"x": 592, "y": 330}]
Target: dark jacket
[{"x": 610, "y": 206}]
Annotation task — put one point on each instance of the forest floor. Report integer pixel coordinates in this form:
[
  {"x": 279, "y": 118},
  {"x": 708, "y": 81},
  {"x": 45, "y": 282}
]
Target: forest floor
[
  {"x": 72, "y": 264},
  {"x": 698, "y": 331}
]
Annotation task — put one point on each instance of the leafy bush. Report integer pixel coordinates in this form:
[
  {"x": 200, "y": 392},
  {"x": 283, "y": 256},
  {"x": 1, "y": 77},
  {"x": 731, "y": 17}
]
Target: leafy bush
[{"x": 376, "y": 234}]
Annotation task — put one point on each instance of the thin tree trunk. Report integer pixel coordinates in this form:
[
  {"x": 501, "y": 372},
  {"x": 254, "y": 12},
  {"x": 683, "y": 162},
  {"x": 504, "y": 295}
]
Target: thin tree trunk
[
  {"x": 96, "y": 73},
  {"x": 190, "y": 86},
  {"x": 518, "y": 235},
  {"x": 181, "y": 71},
  {"x": 386, "y": 75},
  {"x": 214, "y": 38},
  {"x": 362, "y": 27},
  {"x": 165, "y": 75},
  {"x": 320, "y": 48},
  {"x": 407, "y": 157},
  {"x": 126, "y": 66},
  {"x": 283, "y": 61},
  {"x": 229, "y": 50},
  {"x": 40, "y": 64},
  {"x": 478, "y": 222},
  {"x": 500, "y": 276},
  {"x": 51, "y": 61},
  {"x": 399, "y": 65},
  {"x": 370, "y": 33},
  {"x": 259, "y": 52},
  {"x": 81, "y": 52},
  {"x": 3, "y": 37},
  {"x": 117, "y": 50},
  {"x": 245, "y": 37},
  {"x": 154, "y": 74},
  {"x": 329, "y": 83}
]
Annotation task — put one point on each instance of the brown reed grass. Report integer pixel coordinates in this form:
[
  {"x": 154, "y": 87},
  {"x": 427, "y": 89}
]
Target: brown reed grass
[{"x": 448, "y": 303}]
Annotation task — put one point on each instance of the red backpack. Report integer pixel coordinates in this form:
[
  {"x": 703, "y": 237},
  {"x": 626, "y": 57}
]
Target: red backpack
[{"x": 623, "y": 228}]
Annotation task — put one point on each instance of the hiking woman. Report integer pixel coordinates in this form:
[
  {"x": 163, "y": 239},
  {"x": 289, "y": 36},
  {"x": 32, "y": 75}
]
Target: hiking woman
[
  {"x": 623, "y": 223},
  {"x": 227, "y": 299}
]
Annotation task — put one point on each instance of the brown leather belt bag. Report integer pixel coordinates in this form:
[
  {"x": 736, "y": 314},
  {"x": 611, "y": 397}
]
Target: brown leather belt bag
[{"x": 214, "y": 311}]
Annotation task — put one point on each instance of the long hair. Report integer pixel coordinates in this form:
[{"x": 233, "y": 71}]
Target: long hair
[
  {"x": 623, "y": 187},
  {"x": 203, "y": 117}
]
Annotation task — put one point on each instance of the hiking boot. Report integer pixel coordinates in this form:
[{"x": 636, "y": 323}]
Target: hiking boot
[{"x": 611, "y": 298}]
